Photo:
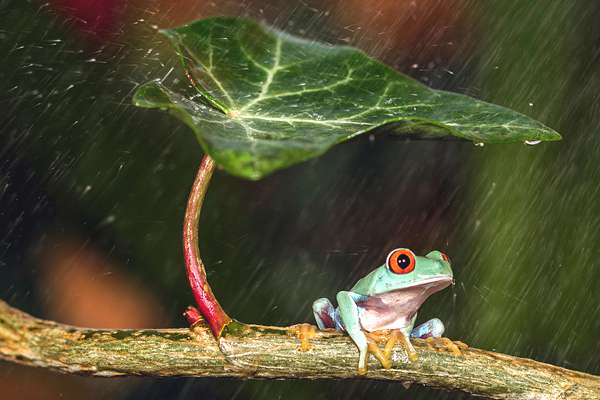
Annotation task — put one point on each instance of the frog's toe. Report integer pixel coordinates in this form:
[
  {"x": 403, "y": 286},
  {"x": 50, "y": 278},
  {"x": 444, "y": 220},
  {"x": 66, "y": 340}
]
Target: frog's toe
[
  {"x": 445, "y": 344},
  {"x": 404, "y": 341},
  {"x": 383, "y": 358},
  {"x": 461, "y": 345},
  {"x": 305, "y": 332},
  {"x": 451, "y": 346},
  {"x": 363, "y": 355},
  {"x": 391, "y": 338}
]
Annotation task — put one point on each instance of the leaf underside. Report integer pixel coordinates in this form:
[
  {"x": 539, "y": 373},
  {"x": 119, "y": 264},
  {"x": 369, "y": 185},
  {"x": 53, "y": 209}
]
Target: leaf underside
[{"x": 265, "y": 100}]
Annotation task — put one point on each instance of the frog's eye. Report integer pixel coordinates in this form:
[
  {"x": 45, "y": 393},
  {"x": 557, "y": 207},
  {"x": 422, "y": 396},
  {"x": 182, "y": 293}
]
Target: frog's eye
[
  {"x": 401, "y": 261},
  {"x": 445, "y": 257}
]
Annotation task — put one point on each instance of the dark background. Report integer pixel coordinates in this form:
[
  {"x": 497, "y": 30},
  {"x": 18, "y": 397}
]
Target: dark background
[{"x": 92, "y": 189}]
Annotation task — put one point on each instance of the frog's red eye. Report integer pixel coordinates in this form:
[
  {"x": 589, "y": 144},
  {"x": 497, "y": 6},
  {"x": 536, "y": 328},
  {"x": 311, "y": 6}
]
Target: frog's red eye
[
  {"x": 401, "y": 261},
  {"x": 445, "y": 257}
]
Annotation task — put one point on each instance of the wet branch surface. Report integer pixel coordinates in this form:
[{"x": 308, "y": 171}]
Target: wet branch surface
[{"x": 253, "y": 351}]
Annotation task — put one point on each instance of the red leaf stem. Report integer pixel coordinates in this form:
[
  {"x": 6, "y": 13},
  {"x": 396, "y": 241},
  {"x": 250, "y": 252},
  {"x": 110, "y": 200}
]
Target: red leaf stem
[{"x": 209, "y": 307}]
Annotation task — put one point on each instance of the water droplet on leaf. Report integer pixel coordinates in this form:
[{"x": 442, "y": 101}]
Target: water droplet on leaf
[{"x": 532, "y": 142}]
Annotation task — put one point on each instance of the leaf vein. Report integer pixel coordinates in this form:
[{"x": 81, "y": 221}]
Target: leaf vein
[{"x": 270, "y": 76}]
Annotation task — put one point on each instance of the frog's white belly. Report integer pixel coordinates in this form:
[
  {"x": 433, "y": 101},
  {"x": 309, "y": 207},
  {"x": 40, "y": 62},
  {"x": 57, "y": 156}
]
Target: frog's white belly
[{"x": 392, "y": 310}]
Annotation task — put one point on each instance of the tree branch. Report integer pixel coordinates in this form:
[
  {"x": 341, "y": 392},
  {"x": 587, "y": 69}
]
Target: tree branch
[
  {"x": 253, "y": 351},
  {"x": 224, "y": 347}
]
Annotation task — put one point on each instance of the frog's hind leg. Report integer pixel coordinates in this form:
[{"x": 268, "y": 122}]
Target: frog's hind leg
[
  {"x": 432, "y": 332},
  {"x": 432, "y": 328},
  {"x": 325, "y": 313}
]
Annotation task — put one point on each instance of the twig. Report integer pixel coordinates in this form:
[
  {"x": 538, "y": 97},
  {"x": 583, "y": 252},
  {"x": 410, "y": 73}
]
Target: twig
[{"x": 270, "y": 352}]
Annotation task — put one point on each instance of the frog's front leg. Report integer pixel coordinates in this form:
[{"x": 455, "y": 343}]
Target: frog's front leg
[{"x": 348, "y": 311}]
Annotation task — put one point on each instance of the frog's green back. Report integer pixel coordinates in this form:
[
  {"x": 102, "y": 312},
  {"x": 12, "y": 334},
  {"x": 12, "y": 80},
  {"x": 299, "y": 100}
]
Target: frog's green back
[{"x": 367, "y": 284}]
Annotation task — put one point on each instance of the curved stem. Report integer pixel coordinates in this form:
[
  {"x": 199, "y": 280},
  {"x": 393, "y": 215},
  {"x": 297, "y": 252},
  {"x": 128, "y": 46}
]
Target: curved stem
[{"x": 209, "y": 307}]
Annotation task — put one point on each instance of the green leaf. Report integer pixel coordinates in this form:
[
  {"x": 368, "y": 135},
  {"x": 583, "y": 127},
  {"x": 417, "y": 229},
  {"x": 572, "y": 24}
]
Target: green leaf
[{"x": 266, "y": 100}]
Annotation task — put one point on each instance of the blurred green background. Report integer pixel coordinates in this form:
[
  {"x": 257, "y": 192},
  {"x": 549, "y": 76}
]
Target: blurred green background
[{"x": 92, "y": 189}]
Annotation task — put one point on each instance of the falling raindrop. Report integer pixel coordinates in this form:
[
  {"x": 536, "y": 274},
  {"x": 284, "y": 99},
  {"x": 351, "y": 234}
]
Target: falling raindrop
[
  {"x": 479, "y": 144},
  {"x": 532, "y": 142}
]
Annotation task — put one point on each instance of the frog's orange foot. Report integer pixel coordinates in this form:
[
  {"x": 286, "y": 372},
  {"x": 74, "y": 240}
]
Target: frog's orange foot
[
  {"x": 374, "y": 349},
  {"x": 404, "y": 341},
  {"x": 381, "y": 336},
  {"x": 445, "y": 344},
  {"x": 391, "y": 338},
  {"x": 373, "y": 340},
  {"x": 305, "y": 332}
]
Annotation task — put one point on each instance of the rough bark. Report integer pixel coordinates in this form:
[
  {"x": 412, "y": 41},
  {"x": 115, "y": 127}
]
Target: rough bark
[{"x": 252, "y": 351}]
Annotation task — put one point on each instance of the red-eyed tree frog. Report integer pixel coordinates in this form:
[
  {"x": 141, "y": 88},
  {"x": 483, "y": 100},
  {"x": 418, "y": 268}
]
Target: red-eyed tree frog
[{"x": 388, "y": 299}]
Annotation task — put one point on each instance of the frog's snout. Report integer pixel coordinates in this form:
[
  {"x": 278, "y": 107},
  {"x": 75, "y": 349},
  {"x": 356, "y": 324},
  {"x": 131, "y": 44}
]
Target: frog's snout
[{"x": 445, "y": 269}]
